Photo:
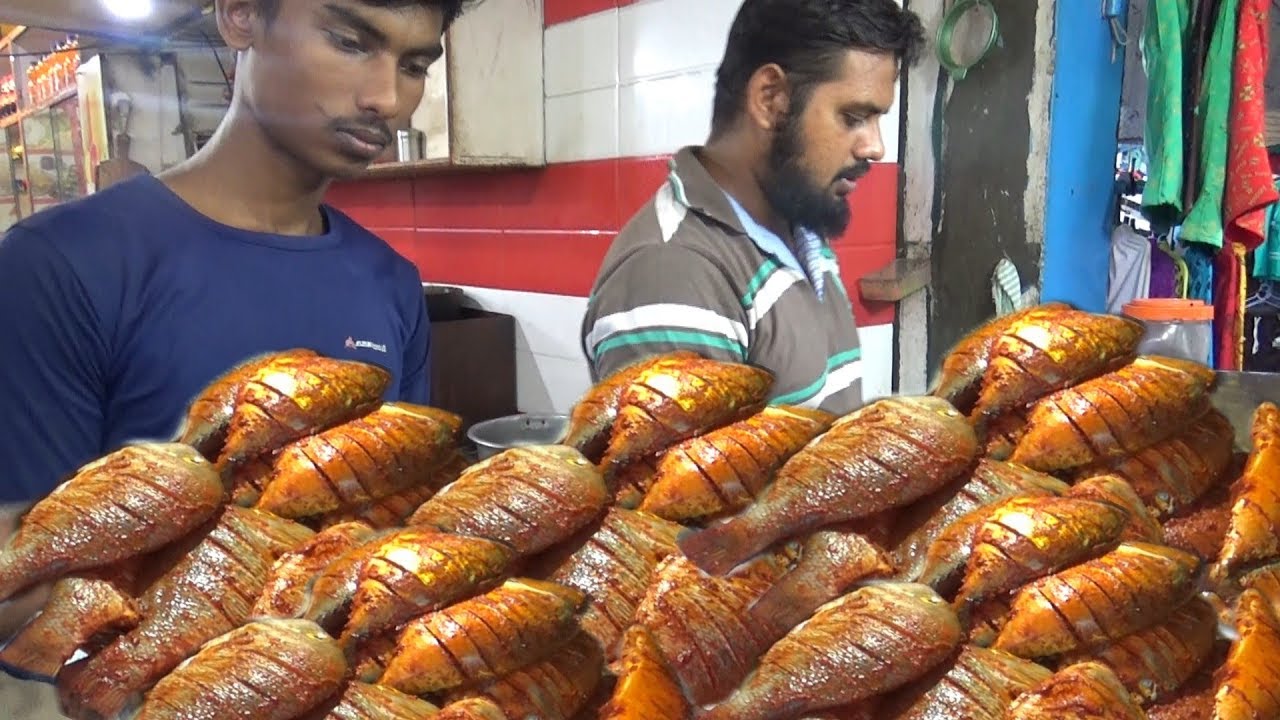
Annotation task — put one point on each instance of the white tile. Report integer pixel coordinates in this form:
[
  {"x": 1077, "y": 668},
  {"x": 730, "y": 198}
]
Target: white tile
[
  {"x": 549, "y": 384},
  {"x": 582, "y": 126},
  {"x": 889, "y": 128},
  {"x": 532, "y": 395},
  {"x": 877, "y": 361},
  {"x": 662, "y": 37},
  {"x": 660, "y": 116},
  {"x": 581, "y": 54}
]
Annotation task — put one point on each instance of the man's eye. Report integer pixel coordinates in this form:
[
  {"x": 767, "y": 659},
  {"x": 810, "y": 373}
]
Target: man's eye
[
  {"x": 417, "y": 70},
  {"x": 853, "y": 120},
  {"x": 346, "y": 43}
]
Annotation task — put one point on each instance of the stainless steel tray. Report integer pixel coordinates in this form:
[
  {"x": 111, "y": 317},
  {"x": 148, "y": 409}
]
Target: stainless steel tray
[{"x": 1238, "y": 394}]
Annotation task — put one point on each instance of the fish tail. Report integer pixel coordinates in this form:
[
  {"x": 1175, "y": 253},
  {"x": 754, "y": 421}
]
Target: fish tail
[
  {"x": 777, "y": 612},
  {"x": 720, "y": 548},
  {"x": 13, "y": 576},
  {"x": 29, "y": 655}
]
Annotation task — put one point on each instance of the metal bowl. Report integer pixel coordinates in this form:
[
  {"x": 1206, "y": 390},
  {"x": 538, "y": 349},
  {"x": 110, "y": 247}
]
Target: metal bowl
[{"x": 493, "y": 436}]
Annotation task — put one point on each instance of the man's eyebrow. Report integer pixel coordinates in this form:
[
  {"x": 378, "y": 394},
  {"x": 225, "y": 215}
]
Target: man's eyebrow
[
  {"x": 865, "y": 108},
  {"x": 356, "y": 22}
]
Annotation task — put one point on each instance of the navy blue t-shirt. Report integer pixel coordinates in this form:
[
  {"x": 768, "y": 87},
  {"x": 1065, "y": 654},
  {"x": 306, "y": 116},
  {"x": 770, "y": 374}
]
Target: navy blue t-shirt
[{"x": 116, "y": 310}]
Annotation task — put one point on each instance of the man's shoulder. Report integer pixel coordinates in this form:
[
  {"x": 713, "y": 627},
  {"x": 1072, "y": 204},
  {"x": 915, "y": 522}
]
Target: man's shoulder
[
  {"x": 111, "y": 211},
  {"x": 368, "y": 246}
]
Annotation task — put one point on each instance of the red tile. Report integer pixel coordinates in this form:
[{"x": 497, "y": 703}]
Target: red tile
[
  {"x": 855, "y": 262},
  {"x": 558, "y": 11},
  {"x": 375, "y": 204},
  {"x": 874, "y": 209},
  {"x": 565, "y": 196},
  {"x": 638, "y": 179},
  {"x": 547, "y": 262}
]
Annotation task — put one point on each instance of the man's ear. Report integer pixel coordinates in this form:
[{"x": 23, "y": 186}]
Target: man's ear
[
  {"x": 768, "y": 97},
  {"x": 238, "y": 22}
]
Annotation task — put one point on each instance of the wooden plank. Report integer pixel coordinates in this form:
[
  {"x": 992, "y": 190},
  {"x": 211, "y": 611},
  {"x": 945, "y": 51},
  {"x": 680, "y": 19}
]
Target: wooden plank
[{"x": 900, "y": 279}]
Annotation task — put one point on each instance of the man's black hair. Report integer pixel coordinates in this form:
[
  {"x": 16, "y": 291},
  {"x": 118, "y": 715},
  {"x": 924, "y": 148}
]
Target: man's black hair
[
  {"x": 451, "y": 8},
  {"x": 808, "y": 39}
]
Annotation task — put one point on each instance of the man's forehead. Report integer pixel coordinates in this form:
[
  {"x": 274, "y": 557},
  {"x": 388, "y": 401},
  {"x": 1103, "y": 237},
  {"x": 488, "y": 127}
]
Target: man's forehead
[{"x": 865, "y": 77}]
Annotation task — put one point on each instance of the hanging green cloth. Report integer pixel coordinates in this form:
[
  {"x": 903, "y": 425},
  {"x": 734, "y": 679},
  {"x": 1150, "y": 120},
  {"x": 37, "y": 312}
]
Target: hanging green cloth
[
  {"x": 1204, "y": 222},
  {"x": 1163, "y": 41}
]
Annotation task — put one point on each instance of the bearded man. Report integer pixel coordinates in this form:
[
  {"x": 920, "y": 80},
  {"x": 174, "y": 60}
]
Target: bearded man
[{"x": 730, "y": 259}]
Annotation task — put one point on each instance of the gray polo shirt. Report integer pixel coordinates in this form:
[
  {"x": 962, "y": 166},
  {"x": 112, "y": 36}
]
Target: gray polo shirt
[{"x": 693, "y": 271}]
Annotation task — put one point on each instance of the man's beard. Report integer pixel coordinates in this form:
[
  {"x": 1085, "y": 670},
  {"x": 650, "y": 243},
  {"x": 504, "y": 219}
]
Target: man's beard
[{"x": 791, "y": 191}]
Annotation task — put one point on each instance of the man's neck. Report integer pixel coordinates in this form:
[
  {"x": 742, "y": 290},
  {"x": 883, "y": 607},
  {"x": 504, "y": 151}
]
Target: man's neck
[
  {"x": 734, "y": 166},
  {"x": 242, "y": 179}
]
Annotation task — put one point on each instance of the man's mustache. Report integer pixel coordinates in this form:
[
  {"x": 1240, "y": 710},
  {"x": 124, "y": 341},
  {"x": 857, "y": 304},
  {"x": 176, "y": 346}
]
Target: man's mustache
[
  {"x": 853, "y": 173},
  {"x": 370, "y": 129}
]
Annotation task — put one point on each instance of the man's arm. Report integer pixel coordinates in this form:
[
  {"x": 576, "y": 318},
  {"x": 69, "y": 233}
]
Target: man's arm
[
  {"x": 53, "y": 369},
  {"x": 415, "y": 385},
  {"x": 661, "y": 299}
]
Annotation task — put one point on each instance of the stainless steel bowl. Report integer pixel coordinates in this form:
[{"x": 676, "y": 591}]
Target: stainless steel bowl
[{"x": 493, "y": 436}]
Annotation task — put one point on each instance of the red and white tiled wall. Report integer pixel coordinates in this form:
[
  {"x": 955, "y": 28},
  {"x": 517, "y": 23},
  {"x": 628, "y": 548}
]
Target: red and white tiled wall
[{"x": 627, "y": 83}]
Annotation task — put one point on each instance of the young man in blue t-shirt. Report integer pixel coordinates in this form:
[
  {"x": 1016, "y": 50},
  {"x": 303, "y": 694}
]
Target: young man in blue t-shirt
[{"x": 117, "y": 309}]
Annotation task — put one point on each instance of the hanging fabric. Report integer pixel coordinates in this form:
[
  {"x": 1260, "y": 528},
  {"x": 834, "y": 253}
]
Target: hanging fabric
[
  {"x": 1266, "y": 259},
  {"x": 1202, "y": 27},
  {"x": 1163, "y": 41},
  {"x": 1130, "y": 268},
  {"x": 1164, "y": 272},
  {"x": 1248, "y": 187},
  {"x": 1204, "y": 221}
]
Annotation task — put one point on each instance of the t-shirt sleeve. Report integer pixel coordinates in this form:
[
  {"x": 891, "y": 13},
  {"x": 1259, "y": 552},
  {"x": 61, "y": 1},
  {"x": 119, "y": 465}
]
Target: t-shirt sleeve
[
  {"x": 661, "y": 299},
  {"x": 415, "y": 386},
  {"x": 53, "y": 365}
]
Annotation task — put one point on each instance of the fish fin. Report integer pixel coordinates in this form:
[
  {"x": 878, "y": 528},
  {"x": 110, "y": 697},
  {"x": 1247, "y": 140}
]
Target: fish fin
[{"x": 719, "y": 549}]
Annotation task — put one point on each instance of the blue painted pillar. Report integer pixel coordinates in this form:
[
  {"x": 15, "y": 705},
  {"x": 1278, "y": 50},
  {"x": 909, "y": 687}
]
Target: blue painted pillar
[{"x": 1084, "y": 114}]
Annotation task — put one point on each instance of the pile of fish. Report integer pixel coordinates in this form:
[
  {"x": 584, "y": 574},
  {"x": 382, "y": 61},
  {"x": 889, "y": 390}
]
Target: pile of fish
[{"x": 1061, "y": 530}]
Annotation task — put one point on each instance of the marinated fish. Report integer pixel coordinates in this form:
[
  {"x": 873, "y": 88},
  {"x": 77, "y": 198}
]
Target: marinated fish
[
  {"x": 646, "y": 688},
  {"x": 476, "y": 708},
  {"x": 1202, "y": 530},
  {"x": 1119, "y": 414},
  {"x": 883, "y": 456},
  {"x": 614, "y": 566},
  {"x": 924, "y": 522},
  {"x": 1172, "y": 475},
  {"x": 209, "y": 415},
  {"x": 417, "y": 571},
  {"x": 362, "y": 701},
  {"x": 1048, "y": 350},
  {"x": 1099, "y": 601},
  {"x": 1254, "y": 534},
  {"x": 592, "y": 417},
  {"x": 869, "y": 642},
  {"x": 207, "y": 592},
  {"x": 293, "y": 397},
  {"x": 514, "y": 625},
  {"x": 1154, "y": 663},
  {"x": 328, "y": 600},
  {"x": 1027, "y": 538},
  {"x": 288, "y": 588},
  {"x": 1141, "y": 523},
  {"x": 1084, "y": 691},
  {"x": 554, "y": 689},
  {"x": 988, "y": 619},
  {"x": 129, "y": 503},
  {"x": 528, "y": 498},
  {"x": 977, "y": 684},
  {"x": 1266, "y": 580},
  {"x": 396, "y": 446},
  {"x": 670, "y": 402},
  {"x": 266, "y": 670},
  {"x": 80, "y": 610},
  {"x": 724, "y": 470},
  {"x": 830, "y": 563},
  {"x": 964, "y": 367},
  {"x": 701, "y": 627},
  {"x": 394, "y": 510},
  {"x": 1004, "y": 432},
  {"x": 1248, "y": 680},
  {"x": 633, "y": 482}
]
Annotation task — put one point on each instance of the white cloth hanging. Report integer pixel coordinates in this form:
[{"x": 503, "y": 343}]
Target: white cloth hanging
[{"x": 1130, "y": 268}]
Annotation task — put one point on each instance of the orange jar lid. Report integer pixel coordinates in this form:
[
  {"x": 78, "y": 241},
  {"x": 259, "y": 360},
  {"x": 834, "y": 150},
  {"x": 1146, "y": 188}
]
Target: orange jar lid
[{"x": 1169, "y": 310}]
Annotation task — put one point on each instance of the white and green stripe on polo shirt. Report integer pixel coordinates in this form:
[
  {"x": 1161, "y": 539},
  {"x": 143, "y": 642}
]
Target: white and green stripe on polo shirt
[
  {"x": 667, "y": 323},
  {"x": 843, "y": 370}
]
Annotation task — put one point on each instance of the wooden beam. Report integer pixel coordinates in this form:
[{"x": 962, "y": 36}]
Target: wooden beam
[{"x": 898, "y": 280}]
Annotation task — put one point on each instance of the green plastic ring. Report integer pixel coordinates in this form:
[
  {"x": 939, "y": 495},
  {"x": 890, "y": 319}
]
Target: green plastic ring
[{"x": 946, "y": 33}]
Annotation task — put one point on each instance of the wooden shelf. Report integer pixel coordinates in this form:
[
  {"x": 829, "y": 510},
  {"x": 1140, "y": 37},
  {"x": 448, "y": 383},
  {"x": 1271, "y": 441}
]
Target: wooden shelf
[
  {"x": 66, "y": 94},
  {"x": 898, "y": 280},
  {"x": 440, "y": 165}
]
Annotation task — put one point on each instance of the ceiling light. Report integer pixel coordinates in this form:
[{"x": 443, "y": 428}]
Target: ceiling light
[{"x": 129, "y": 9}]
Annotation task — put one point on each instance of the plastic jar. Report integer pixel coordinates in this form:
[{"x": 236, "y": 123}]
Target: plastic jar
[{"x": 1174, "y": 327}]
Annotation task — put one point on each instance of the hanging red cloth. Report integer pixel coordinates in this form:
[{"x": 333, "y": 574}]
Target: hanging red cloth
[{"x": 1250, "y": 188}]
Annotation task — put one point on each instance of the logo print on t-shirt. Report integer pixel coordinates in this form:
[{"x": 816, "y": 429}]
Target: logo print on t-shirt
[{"x": 353, "y": 344}]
